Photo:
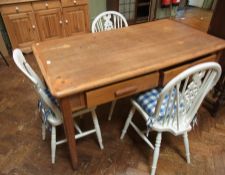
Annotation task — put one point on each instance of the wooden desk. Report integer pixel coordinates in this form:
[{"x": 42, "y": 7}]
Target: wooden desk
[{"x": 92, "y": 69}]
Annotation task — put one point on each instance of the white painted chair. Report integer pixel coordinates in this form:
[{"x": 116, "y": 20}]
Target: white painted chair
[
  {"x": 108, "y": 21},
  {"x": 51, "y": 114},
  {"x": 173, "y": 109}
]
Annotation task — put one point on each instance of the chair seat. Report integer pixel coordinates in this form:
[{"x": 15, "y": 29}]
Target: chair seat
[
  {"x": 53, "y": 99},
  {"x": 157, "y": 126},
  {"x": 47, "y": 116},
  {"x": 148, "y": 101}
]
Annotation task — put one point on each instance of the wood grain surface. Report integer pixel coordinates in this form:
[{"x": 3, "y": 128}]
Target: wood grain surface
[
  {"x": 3, "y": 2},
  {"x": 84, "y": 62}
]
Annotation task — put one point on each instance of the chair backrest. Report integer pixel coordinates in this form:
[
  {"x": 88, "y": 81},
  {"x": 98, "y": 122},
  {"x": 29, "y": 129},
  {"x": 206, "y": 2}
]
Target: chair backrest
[
  {"x": 22, "y": 64},
  {"x": 39, "y": 86},
  {"x": 185, "y": 93},
  {"x": 107, "y": 21}
]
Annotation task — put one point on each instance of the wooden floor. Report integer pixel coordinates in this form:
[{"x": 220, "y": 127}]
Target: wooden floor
[{"x": 22, "y": 152}]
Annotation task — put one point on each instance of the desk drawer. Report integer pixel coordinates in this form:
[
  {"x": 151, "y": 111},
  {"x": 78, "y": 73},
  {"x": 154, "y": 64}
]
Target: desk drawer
[
  {"x": 46, "y": 5},
  {"x": 77, "y": 102},
  {"x": 70, "y": 3},
  {"x": 16, "y": 8},
  {"x": 122, "y": 89},
  {"x": 167, "y": 75}
]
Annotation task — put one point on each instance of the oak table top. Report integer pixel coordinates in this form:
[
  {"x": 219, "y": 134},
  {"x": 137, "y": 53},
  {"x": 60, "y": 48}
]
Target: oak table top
[{"x": 76, "y": 64}]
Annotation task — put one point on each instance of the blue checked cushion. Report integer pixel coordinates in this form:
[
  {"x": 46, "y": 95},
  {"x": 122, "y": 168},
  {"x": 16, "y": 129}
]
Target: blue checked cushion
[
  {"x": 148, "y": 102},
  {"x": 53, "y": 99},
  {"x": 45, "y": 110}
]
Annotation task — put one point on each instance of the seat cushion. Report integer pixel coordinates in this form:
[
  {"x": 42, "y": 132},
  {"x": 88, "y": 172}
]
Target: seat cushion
[
  {"x": 45, "y": 113},
  {"x": 148, "y": 101},
  {"x": 53, "y": 99},
  {"x": 45, "y": 110}
]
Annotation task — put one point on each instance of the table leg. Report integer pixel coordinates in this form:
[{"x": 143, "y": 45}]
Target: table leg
[{"x": 69, "y": 130}]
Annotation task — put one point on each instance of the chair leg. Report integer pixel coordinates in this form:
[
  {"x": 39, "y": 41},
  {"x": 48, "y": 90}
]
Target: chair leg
[
  {"x": 53, "y": 143},
  {"x": 111, "y": 109},
  {"x": 186, "y": 144},
  {"x": 43, "y": 131},
  {"x": 77, "y": 127},
  {"x": 4, "y": 59},
  {"x": 97, "y": 128},
  {"x": 156, "y": 152},
  {"x": 141, "y": 134},
  {"x": 129, "y": 118}
]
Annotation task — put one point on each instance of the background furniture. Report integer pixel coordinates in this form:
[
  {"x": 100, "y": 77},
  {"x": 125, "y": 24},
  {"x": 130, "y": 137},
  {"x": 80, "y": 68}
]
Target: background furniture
[
  {"x": 173, "y": 108},
  {"x": 139, "y": 11},
  {"x": 48, "y": 107},
  {"x": 217, "y": 28},
  {"x": 132, "y": 64},
  {"x": 219, "y": 97},
  {"x": 217, "y": 25},
  {"x": 31, "y": 21},
  {"x": 135, "y": 11}
]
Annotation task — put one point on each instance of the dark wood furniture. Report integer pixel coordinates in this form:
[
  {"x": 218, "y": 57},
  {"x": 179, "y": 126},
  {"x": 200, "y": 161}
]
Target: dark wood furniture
[
  {"x": 87, "y": 70},
  {"x": 217, "y": 28},
  {"x": 135, "y": 11},
  {"x": 217, "y": 25}
]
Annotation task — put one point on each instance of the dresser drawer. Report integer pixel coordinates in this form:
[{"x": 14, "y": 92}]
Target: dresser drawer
[
  {"x": 16, "y": 8},
  {"x": 167, "y": 75},
  {"x": 69, "y": 3},
  {"x": 46, "y": 5},
  {"x": 122, "y": 89}
]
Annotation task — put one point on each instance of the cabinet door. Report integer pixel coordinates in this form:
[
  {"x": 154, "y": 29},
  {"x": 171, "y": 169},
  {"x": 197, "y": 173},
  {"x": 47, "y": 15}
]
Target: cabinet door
[
  {"x": 50, "y": 24},
  {"x": 22, "y": 30},
  {"x": 76, "y": 20}
]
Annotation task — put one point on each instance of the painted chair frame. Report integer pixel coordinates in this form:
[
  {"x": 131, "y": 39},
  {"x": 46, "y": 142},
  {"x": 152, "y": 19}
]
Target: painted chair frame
[
  {"x": 55, "y": 117},
  {"x": 191, "y": 87}
]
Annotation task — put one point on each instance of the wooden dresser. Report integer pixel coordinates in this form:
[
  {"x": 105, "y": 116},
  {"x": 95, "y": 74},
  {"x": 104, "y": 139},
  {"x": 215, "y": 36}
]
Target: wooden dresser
[{"x": 30, "y": 21}]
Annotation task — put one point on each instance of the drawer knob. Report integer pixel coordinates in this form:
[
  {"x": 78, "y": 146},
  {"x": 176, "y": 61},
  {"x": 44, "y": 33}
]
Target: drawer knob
[
  {"x": 74, "y": 1},
  {"x": 60, "y": 22},
  {"x": 66, "y": 21},
  {"x": 46, "y": 5},
  {"x": 33, "y": 26},
  {"x": 126, "y": 91},
  {"x": 17, "y": 9}
]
